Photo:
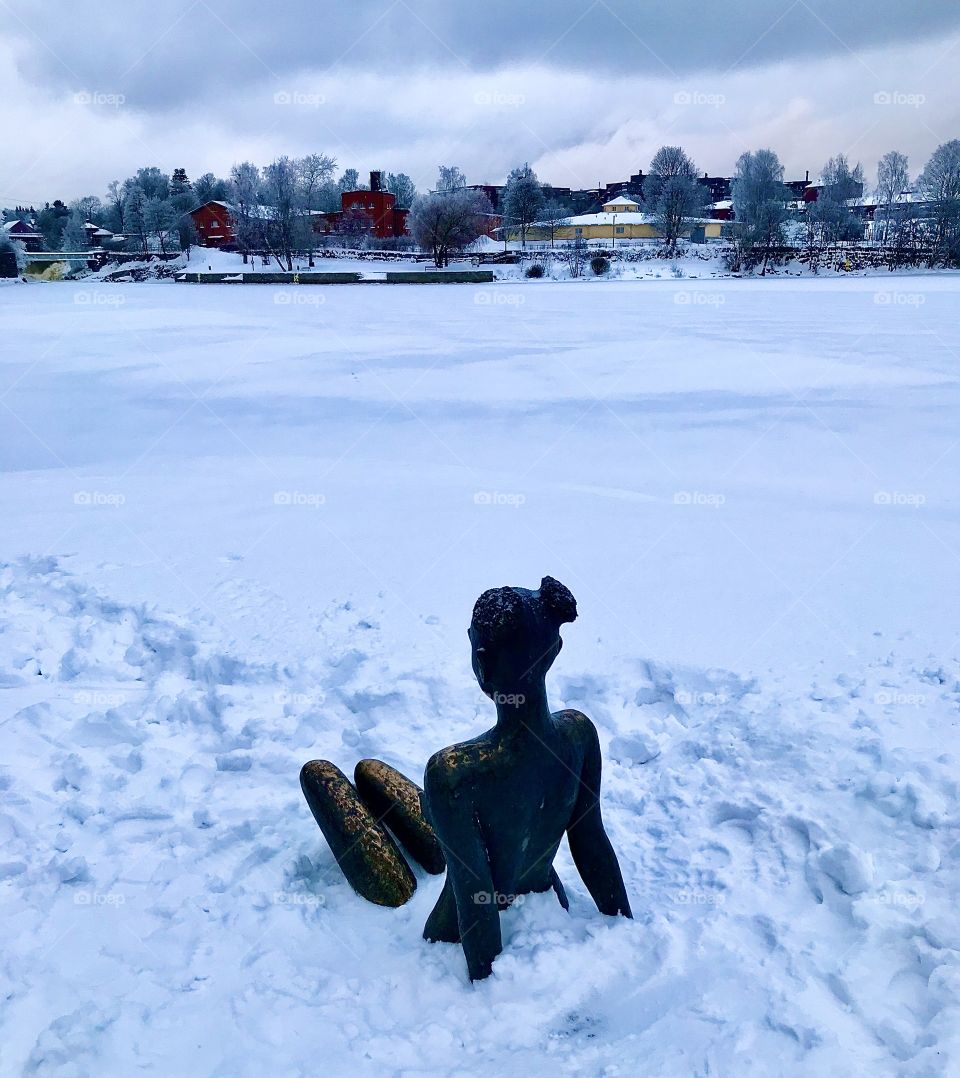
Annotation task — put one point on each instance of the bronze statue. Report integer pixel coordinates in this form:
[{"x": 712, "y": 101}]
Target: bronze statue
[{"x": 494, "y": 809}]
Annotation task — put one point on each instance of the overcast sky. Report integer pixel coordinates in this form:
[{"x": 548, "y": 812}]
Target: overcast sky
[{"x": 586, "y": 91}]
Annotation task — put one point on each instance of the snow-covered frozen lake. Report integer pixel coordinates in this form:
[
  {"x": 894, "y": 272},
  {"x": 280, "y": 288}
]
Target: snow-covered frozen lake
[{"x": 245, "y": 527}]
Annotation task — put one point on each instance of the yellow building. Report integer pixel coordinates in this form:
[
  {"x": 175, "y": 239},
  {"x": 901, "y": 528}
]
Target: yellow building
[{"x": 621, "y": 219}]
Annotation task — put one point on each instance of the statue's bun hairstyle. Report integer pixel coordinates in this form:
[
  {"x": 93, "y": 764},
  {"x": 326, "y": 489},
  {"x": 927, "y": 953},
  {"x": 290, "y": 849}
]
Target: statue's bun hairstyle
[
  {"x": 505, "y": 613},
  {"x": 557, "y": 600}
]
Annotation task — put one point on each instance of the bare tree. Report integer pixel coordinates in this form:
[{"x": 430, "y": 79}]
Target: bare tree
[
  {"x": 116, "y": 199},
  {"x": 552, "y": 218},
  {"x": 313, "y": 171},
  {"x": 448, "y": 221},
  {"x": 893, "y": 178}
]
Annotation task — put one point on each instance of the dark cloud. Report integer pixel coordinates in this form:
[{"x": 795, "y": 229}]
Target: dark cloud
[{"x": 164, "y": 54}]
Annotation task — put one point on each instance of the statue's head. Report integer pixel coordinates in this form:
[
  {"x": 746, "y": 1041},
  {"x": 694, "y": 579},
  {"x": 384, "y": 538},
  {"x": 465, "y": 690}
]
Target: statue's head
[{"x": 515, "y": 634}]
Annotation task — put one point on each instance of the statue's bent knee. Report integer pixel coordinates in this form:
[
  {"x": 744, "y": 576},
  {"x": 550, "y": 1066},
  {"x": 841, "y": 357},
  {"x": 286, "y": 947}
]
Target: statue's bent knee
[
  {"x": 368, "y": 856},
  {"x": 395, "y": 800}
]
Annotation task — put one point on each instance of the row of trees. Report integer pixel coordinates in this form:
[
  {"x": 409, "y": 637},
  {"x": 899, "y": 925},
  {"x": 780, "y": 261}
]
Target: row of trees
[
  {"x": 911, "y": 222},
  {"x": 151, "y": 208},
  {"x": 273, "y": 207}
]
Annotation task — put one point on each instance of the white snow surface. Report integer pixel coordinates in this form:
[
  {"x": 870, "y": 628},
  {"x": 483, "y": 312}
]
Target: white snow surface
[{"x": 245, "y": 527}]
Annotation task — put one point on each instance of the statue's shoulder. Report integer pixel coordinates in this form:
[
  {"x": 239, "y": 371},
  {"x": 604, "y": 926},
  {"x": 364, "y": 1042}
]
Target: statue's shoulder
[
  {"x": 574, "y": 721},
  {"x": 449, "y": 767}
]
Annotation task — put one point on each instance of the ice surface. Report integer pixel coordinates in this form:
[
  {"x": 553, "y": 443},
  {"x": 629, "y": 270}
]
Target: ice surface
[{"x": 246, "y": 527}]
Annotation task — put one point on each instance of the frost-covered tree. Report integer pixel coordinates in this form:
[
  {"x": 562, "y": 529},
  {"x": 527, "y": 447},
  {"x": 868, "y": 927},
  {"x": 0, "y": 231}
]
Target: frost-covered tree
[
  {"x": 281, "y": 193},
  {"x": 208, "y": 188},
  {"x": 893, "y": 178},
  {"x": 759, "y": 207},
  {"x": 522, "y": 200},
  {"x": 400, "y": 185},
  {"x": 444, "y": 222},
  {"x": 244, "y": 197},
  {"x": 74, "y": 236},
  {"x": 671, "y": 193},
  {"x": 350, "y": 181},
  {"x": 135, "y": 215},
  {"x": 940, "y": 186},
  {"x": 450, "y": 178},
  {"x": 832, "y": 217},
  {"x": 160, "y": 219},
  {"x": 313, "y": 171},
  {"x": 155, "y": 184}
]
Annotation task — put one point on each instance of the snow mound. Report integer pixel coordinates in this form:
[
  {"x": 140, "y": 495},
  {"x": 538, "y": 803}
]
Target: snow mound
[{"x": 169, "y": 903}]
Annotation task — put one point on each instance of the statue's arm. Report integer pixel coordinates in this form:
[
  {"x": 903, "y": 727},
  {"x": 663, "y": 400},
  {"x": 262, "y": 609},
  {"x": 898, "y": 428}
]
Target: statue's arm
[
  {"x": 591, "y": 849},
  {"x": 452, "y": 814}
]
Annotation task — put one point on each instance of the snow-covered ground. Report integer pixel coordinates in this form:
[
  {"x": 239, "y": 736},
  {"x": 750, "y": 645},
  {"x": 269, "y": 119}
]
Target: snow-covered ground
[{"x": 244, "y": 527}]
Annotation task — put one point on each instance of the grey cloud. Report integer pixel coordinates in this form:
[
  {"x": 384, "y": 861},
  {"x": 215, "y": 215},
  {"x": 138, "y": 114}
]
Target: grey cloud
[{"x": 161, "y": 55}]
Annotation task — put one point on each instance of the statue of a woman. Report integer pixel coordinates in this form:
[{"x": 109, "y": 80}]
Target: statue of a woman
[{"x": 493, "y": 809}]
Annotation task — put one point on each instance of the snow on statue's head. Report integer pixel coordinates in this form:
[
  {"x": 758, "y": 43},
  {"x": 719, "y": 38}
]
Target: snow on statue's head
[{"x": 515, "y": 634}]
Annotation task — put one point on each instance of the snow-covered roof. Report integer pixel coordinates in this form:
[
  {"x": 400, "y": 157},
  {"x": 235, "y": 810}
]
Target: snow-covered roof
[
  {"x": 723, "y": 204},
  {"x": 621, "y": 200},
  {"x": 9, "y": 226}
]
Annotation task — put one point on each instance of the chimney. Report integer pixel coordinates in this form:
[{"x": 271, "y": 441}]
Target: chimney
[
  {"x": 807, "y": 179},
  {"x": 375, "y": 184}
]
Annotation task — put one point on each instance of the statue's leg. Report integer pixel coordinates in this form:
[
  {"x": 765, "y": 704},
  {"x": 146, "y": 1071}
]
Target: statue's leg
[
  {"x": 395, "y": 800},
  {"x": 369, "y": 857},
  {"x": 442, "y": 925}
]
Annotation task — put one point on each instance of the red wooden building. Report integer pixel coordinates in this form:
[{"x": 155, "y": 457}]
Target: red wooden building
[
  {"x": 213, "y": 224},
  {"x": 374, "y": 211}
]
